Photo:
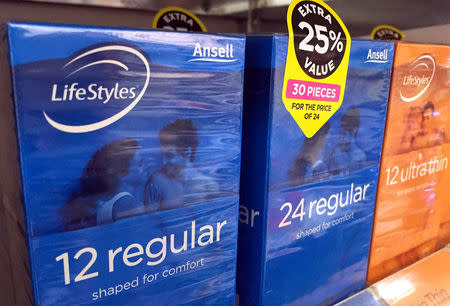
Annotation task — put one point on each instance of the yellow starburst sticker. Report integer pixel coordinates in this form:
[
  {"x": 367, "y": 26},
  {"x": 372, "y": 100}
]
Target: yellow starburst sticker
[{"x": 316, "y": 64}]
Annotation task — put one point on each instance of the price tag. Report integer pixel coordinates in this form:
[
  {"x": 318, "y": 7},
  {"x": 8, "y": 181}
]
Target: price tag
[
  {"x": 178, "y": 19},
  {"x": 425, "y": 283},
  {"x": 316, "y": 64}
]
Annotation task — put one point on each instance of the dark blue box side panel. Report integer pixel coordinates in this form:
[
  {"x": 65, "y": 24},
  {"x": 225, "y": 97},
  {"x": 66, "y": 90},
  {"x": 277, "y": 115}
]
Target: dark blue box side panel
[{"x": 253, "y": 196}]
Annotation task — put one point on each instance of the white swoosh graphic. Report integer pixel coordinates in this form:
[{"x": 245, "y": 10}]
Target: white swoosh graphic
[
  {"x": 406, "y": 99},
  {"x": 420, "y": 64},
  {"x": 101, "y": 124},
  {"x": 376, "y": 61},
  {"x": 117, "y": 63},
  {"x": 217, "y": 60}
]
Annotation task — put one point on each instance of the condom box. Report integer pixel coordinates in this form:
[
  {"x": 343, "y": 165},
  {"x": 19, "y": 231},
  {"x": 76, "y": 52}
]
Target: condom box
[
  {"x": 129, "y": 147},
  {"x": 307, "y": 204},
  {"x": 411, "y": 215}
]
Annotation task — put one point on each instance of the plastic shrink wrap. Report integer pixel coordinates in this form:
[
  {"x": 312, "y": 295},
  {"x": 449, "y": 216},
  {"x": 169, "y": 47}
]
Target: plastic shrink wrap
[
  {"x": 307, "y": 205},
  {"x": 129, "y": 146},
  {"x": 412, "y": 202},
  {"x": 425, "y": 283}
]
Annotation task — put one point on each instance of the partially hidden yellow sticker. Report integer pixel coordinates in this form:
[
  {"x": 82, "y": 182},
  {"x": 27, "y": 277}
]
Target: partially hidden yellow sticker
[
  {"x": 316, "y": 64},
  {"x": 387, "y": 32},
  {"x": 178, "y": 19}
]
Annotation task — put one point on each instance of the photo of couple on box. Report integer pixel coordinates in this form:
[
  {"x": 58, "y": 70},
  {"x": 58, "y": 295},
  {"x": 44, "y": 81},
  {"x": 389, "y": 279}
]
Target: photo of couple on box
[{"x": 116, "y": 182}]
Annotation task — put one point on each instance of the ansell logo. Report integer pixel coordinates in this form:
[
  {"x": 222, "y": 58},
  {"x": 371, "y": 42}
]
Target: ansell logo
[
  {"x": 418, "y": 78},
  {"x": 97, "y": 93},
  {"x": 380, "y": 57},
  {"x": 222, "y": 54}
]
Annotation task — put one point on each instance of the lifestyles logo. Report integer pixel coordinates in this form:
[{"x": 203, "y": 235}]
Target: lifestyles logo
[
  {"x": 418, "y": 78},
  {"x": 213, "y": 54},
  {"x": 94, "y": 79}
]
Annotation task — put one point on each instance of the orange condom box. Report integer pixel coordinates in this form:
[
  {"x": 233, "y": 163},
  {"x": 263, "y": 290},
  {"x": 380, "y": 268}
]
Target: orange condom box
[{"x": 414, "y": 177}]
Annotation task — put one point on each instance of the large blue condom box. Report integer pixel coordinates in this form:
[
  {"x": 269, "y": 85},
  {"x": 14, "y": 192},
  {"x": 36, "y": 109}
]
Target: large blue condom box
[
  {"x": 127, "y": 161},
  {"x": 307, "y": 204}
]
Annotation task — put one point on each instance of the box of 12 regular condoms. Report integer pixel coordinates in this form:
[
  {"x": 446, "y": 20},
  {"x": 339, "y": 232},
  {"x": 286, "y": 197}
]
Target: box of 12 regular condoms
[
  {"x": 123, "y": 179},
  {"x": 307, "y": 204}
]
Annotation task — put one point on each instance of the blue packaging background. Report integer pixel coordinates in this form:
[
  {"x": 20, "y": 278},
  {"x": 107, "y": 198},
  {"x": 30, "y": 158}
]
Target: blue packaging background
[
  {"x": 207, "y": 93},
  {"x": 212, "y": 283},
  {"x": 367, "y": 89},
  {"x": 330, "y": 265}
]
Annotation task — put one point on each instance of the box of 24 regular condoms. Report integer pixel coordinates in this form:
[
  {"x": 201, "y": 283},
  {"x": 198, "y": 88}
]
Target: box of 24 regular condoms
[{"x": 307, "y": 204}]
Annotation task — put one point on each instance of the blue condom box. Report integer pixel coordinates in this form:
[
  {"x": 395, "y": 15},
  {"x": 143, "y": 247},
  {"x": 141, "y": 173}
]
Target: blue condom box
[
  {"x": 307, "y": 205},
  {"x": 129, "y": 146}
]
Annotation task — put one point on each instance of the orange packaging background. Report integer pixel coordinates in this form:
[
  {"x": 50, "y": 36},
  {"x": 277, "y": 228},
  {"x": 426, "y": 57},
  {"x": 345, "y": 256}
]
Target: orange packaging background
[
  {"x": 410, "y": 208},
  {"x": 424, "y": 283},
  {"x": 444, "y": 231}
]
